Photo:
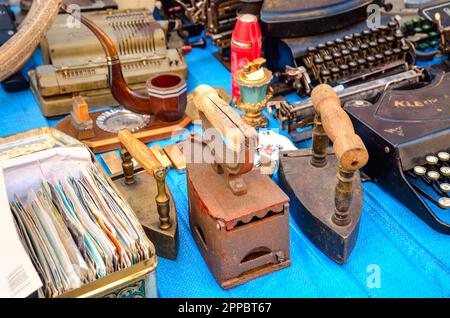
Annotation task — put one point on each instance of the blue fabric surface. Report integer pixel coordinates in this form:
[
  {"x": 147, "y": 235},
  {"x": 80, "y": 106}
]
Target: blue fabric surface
[{"x": 413, "y": 260}]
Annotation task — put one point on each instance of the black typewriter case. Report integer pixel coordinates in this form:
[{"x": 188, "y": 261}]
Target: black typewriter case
[{"x": 399, "y": 131}]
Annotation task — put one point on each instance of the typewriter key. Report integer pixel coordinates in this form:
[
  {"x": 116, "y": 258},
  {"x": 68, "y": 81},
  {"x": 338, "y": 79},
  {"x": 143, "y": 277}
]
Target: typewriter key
[
  {"x": 445, "y": 171},
  {"x": 361, "y": 65},
  {"x": 325, "y": 76},
  {"x": 348, "y": 39},
  {"x": 353, "y": 68},
  {"x": 366, "y": 36},
  {"x": 433, "y": 175},
  {"x": 357, "y": 38},
  {"x": 444, "y": 203},
  {"x": 373, "y": 46},
  {"x": 420, "y": 171},
  {"x": 334, "y": 75},
  {"x": 444, "y": 156},
  {"x": 337, "y": 58},
  {"x": 445, "y": 187},
  {"x": 432, "y": 160},
  {"x": 328, "y": 61},
  {"x": 346, "y": 55},
  {"x": 388, "y": 56},
  {"x": 382, "y": 44},
  {"x": 321, "y": 48},
  {"x": 397, "y": 53},
  {"x": 379, "y": 59},
  {"x": 384, "y": 30},
  {"x": 311, "y": 52},
  {"x": 330, "y": 47},
  {"x": 370, "y": 62},
  {"x": 405, "y": 50},
  {"x": 390, "y": 42},
  {"x": 355, "y": 53},
  {"x": 340, "y": 44},
  {"x": 344, "y": 70},
  {"x": 364, "y": 48},
  {"x": 392, "y": 27},
  {"x": 374, "y": 33}
]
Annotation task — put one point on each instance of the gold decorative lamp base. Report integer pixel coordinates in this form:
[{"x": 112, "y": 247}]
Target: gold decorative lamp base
[{"x": 253, "y": 115}]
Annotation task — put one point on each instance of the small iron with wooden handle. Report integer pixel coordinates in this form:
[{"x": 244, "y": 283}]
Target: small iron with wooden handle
[
  {"x": 327, "y": 208},
  {"x": 137, "y": 187},
  {"x": 231, "y": 140}
]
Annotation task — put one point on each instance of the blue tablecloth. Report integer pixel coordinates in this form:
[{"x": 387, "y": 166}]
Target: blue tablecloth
[{"x": 410, "y": 259}]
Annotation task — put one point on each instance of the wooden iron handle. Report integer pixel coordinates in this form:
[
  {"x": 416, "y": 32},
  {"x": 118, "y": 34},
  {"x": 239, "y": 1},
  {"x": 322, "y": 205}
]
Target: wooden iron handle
[
  {"x": 222, "y": 116},
  {"x": 18, "y": 50},
  {"x": 139, "y": 151},
  {"x": 348, "y": 147}
]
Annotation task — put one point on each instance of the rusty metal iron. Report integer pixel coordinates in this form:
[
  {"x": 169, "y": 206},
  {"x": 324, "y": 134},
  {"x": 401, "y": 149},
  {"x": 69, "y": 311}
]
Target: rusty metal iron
[
  {"x": 240, "y": 237},
  {"x": 238, "y": 216}
]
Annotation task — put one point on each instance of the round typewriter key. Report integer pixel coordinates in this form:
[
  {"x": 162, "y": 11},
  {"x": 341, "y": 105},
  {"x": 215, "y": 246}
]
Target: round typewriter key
[
  {"x": 337, "y": 57},
  {"x": 321, "y": 48},
  {"x": 433, "y": 175},
  {"x": 432, "y": 160},
  {"x": 344, "y": 69},
  {"x": 405, "y": 50},
  {"x": 325, "y": 76},
  {"x": 388, "y": 56},
  {"x": 379, "y": 59},
  {"x": 420, "y": 171},
  {"x": 397, "y": 53},
  {"x": 374, "y": 34},
  {"x": 366, "y": 36},
  {"x": 361, "y": 64},
  {"x": 340, "y": 44},
  {"x": 382, "y": 43},
  {"x": 445, "y": 171},
  {"x": 334, "y": 74},
  {"x": 346, "y": 55},
  {"x": 370, "y": 62},
  {"x": 444, "y": 156},
  {"x": 355, "y": 52},
  {"x": 357, "y": 38},
  {"x": 444, "y": 203},
  {"x": 390, "y": 41},
  {"x": 392, "y": 27},
  {"x": 353, "y": 67},
  {"x": 328, "y": 61},
  {"x": 348, "y": 39},
  {"x": 373, "y": 46},
  {"x": 384, "y": 29},
  {"x": 398, "y": 39},
  {"x": 311, "y": 51},
  {"x": 445, "y": 187}
]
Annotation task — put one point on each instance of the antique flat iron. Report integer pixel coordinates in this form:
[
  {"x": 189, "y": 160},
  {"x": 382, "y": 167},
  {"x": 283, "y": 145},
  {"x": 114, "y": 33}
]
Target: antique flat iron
[
  {"x": 238, "y": 217},
  {"x": 327, "y": 208},
  {"x": 148, "y": 195},
  {"x": 407, "y": 133}
]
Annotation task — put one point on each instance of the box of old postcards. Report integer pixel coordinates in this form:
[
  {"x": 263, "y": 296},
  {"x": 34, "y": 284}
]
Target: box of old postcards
[{"x": 81, "y": 236}]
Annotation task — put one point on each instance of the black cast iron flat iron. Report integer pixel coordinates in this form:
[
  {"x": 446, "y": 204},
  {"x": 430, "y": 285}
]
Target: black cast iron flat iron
[
  {"x": 146, "y": 192},
  {"x": 324, "y": 186}
]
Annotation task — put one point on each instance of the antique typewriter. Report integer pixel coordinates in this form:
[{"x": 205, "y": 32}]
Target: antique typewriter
[
  {"x": 217, "y": 16},
  {"x": 75, "y": 63},
  {"x": 407, "y": 134}
]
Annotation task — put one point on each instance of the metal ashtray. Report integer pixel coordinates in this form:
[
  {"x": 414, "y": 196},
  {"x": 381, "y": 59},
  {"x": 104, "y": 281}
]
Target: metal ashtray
[{"x": 120, "y": 118}]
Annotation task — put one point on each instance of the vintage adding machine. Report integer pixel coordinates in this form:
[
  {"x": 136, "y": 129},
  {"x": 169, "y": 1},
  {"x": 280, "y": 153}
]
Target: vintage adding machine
[
  {"x": 324, "y": 186},
  {"x": 146, "y": 191},
  {"x": 78, "y": 66},
  {"x": 407, "y": 133},
  {"x": 239, "y": 218}
]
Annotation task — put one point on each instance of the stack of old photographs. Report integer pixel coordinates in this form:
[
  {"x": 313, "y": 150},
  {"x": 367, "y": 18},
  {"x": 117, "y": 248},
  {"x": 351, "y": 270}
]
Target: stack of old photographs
[{"x": 77, "y": 230}]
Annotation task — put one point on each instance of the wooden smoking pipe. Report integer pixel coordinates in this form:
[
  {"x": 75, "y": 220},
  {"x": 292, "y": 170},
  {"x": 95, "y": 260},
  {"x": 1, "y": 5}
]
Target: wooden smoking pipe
[{"x": 169, "y": 103}]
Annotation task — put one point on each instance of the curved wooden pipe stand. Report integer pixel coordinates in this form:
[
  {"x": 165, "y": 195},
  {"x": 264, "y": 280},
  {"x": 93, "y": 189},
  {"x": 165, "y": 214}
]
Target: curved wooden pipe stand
[
  {"x": 170, "y": 108},
  {"x": 327, "y": 208},
  {"x": 147, "y": 194}
]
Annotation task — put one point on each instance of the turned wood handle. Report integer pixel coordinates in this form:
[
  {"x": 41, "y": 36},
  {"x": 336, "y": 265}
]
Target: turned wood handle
[
  {"x": 348, "y": 147},
  {"x": 18, "y": 50},
  {"x": 222, "y": 117},
  {"x": 139, "y": 151}
]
